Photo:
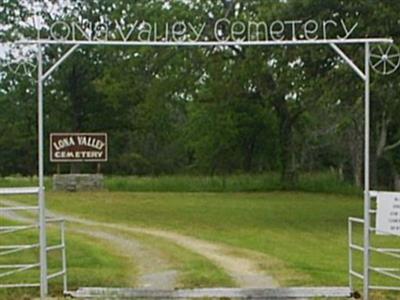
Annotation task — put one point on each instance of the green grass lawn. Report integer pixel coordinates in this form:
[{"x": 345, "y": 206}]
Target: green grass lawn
[
  {"x": 195, "y": 270},
  {"x": 307, "y": 231},
  {"x": 90, "y": 262},
  {"x": 325, "y": 182}
]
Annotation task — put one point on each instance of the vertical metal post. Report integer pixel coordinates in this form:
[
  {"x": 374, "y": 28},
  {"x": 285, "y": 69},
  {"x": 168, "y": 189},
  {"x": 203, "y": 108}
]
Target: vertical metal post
[
  {"x": 367, "y": 198},
  {"x": 42, "y": 202},
  {"x": 350, "y": 233},
  {"x": 64, "y": 257}
]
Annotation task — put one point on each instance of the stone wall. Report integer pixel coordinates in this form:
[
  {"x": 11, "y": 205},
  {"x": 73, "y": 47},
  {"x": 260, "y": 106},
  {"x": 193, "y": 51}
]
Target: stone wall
[{"x": 78, "y": 182}]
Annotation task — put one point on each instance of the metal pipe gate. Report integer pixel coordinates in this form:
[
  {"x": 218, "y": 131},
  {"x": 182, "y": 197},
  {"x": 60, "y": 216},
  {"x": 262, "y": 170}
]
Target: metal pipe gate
[
  {"x": 354, "y": 247},
  {"x": 7, "y": 271}
]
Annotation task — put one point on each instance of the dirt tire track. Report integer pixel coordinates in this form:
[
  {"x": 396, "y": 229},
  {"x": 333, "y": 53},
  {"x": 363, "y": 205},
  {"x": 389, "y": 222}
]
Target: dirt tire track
[
  {"x": 238, "y": 263},
  {"x": 241, "y": 264},
  {"x": 155, "y": 271}
]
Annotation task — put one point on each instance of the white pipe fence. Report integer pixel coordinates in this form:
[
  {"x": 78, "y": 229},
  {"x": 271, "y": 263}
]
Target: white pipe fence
[
  {"x": 389, "y": 273},
  {"x": 7, "y": 271}
]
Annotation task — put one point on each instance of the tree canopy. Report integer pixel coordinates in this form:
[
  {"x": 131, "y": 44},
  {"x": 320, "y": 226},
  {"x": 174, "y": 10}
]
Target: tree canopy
[{"x": 219, "y": 110}]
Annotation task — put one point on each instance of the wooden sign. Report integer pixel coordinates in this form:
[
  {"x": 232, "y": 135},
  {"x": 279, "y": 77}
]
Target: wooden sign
[{"x": 78, "y": 147}]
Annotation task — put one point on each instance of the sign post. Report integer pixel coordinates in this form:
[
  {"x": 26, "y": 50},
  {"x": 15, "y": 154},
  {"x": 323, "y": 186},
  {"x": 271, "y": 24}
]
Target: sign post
[
  {"x": 367, "y": 188},
  {"x": 42, "y": 201}
]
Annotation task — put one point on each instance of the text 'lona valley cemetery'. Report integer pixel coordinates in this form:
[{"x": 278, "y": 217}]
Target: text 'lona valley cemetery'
[{"x": 78, "y": 147}]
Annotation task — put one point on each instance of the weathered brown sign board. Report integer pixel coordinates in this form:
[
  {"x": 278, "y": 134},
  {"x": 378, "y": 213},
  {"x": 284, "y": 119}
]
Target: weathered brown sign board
[{"x": 78, "y": 147}]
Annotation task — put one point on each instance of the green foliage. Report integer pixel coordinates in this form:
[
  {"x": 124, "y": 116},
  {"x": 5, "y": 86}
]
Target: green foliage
[
  {"x": 308, "y": 182},
  {"x": 327, "y": 182},
  {"x": 213, "y": 111}
]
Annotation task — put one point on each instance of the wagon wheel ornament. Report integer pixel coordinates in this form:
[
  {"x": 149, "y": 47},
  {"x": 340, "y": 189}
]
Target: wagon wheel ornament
[
  {"x": 23, "y": 68},
  {"x": 22, "y": 62},
  {"x": 385, "y": 60}
]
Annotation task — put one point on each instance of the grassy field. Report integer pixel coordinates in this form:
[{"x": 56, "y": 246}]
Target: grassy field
[
  {"x": 322, "y": 182},
  {"x": 195, "y": 270},
  {"x": 316, "y": 182},
  {"x": 304, "y": 232},
  {"x": 93, "y": 263},
  {"x": 307, "y": 231}
]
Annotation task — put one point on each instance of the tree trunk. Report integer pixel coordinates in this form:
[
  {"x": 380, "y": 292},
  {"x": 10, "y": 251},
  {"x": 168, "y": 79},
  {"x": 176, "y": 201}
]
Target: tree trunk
[
  {"x": 287, "y": 157},
  {"x": 248, "y": 161},
  {"x": 358, "y": 172},
  {"x": 77, "y": 109},
  {"x": 377, "y": 149},
  {"x": 355, "y": 142},
  {"x": 396, "y": 182}
]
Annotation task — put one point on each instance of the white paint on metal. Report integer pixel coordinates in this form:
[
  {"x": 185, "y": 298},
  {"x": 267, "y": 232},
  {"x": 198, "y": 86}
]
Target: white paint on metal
[
  {"x": 205, "y": 43},
  {"x": 237, "y": 293},
  {"x": 42, "y": 203},
  {"x": 384, "y": 288},
  {"x": 367, "y": 200},
  {"x": 385, "y": 60},
  {"x": 350, "y": 252},
  {"x": 349, "y": 61},
  {"x": 388, "y": 272},
  {"x": 60, "y": 61},
  {"x": 22, "y": 285},
  {"x": 20, "y": 269},
  {"x": 393, "y": 273},
  {"x": 55, "y": 275},
  {"x": 16, "y": 249},
  {"x": 19, "y": 191},
  {"x": 64, "y": 257},
  {"x": 18, "y": 208},
  {"x": 373, "y": 194}
]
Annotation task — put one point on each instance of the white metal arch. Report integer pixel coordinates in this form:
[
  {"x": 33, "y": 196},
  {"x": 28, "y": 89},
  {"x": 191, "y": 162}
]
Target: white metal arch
[{"x": 334, "y": 43}]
